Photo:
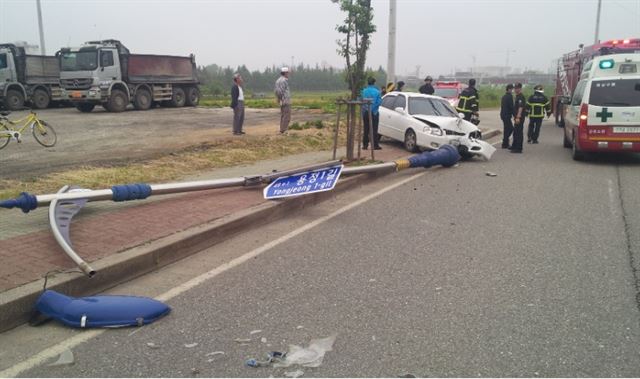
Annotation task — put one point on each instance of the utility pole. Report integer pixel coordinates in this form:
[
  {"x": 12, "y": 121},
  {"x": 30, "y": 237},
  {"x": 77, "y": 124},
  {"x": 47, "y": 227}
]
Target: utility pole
[
  {"x": 598, "y": 22},
  {"x": 391, "y": 58},
  {"x": 42, "y": 48},
  {"x": 506, "y": 65}
]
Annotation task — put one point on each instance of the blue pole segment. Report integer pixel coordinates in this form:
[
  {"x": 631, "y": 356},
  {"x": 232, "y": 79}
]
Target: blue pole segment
[
  {"x": 25, "y": 201},
  {"x": 134, "y": 191},
  {"x": 446, "y": 156}
]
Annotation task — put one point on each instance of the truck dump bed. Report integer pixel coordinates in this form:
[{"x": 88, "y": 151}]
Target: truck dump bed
[
  {"x": 142, "y": 68},
  {"x": 40, "y": 69}
]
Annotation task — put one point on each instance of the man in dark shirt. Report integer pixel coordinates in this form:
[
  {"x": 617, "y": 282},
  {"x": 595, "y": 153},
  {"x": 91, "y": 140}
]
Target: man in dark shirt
[
  {"x": 519, "y": 113},
  {"x": 427, "y": 88},
  {"x": 506, "y": 113}
]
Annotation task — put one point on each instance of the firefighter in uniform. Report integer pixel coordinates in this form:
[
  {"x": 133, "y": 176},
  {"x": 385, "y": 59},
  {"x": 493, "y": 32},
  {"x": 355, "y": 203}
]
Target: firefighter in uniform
[
  {"x": 519, "y": 113},
  {"x": 537, "y": 106},
  {"x": 468, "y": 101}
]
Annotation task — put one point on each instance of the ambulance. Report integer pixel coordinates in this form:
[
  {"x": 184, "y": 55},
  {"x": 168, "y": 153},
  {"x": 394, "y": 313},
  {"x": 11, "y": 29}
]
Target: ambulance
[{"x": 603, "y": 114}]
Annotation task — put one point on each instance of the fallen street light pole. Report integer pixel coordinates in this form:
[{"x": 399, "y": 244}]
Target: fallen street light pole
[{"x": 69, "y": 200}]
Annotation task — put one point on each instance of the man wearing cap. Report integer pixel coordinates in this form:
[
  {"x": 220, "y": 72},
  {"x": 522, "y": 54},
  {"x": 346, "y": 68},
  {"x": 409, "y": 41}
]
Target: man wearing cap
[
  {"x": 468, "y": 103},
  {"x": 237, "y": 104},
  {"x": 427, "y": 88},
  {"x": 519, "y": 113},
  {"x": 506, "y": 114},
  {"x": 537, "y": 106},
  {"x": 284, "y": 99}
]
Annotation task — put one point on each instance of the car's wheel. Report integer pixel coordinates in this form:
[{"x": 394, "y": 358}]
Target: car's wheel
[
  {"x": 576, "y": 154},
  {"x": 566, "y": 142},
  {"x": 178, "y": 98},
  {"x": 410, "y": 141},
  {"x": 192, "y": 96},
  {"x": 85, "y": 107},
  {"x": 40, "y": 99},
  {"x": 14, "y": 100},
  {"x": 142, "y": 100}
]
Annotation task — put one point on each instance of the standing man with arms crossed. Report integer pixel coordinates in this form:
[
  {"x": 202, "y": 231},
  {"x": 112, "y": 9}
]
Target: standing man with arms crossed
[
  {"x": 371, "y": 92},
  {"x": 284, "y": 99},
  {"x": 237, "y": 104},
  {"x": 519, "y": 113},
  {"x": 506, "y": 114}
]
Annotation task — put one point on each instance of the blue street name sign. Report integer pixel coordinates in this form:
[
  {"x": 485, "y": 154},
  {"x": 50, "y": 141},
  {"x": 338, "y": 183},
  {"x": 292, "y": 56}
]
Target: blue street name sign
[{"x": 323, "y": 179}]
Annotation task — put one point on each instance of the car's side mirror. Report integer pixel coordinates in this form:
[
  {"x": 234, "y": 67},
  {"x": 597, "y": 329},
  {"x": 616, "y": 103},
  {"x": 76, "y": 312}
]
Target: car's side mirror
[
  {"x": 399, "y": 110},
  {"x": 461, "y": 115}
]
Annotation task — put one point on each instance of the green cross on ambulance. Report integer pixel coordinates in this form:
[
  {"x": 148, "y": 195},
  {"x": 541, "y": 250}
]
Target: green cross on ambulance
[{"x": 603, "y": 114}]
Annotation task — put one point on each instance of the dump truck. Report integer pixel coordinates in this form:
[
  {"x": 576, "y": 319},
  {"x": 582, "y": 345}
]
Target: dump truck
[
  {"x": 571, "y": 66},
  {"x": 105, "y": 73},
  {"x": 32, "y": 79}
]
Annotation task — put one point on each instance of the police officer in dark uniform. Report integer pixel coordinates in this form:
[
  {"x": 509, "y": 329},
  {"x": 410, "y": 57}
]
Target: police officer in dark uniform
[
  {"x": 506, "y": 115},
  {"x": 468, "y": 102},
  {"x": 519, "y": 113},
  {"x": 537, "y": 106},
  {"x": 427, "y": 88}
]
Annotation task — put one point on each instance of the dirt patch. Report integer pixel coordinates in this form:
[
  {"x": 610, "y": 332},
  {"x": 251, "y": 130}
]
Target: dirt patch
[{"x": 105, "y": 139}]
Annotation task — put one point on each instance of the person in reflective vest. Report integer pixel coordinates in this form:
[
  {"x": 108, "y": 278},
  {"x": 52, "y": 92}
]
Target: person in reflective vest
[
  {"x": 468, "y": 102},
  {"x": 537, "y": 106}
]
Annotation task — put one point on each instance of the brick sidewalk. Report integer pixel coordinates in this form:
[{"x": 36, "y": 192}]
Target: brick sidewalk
[{"x": 28, "y": 257}]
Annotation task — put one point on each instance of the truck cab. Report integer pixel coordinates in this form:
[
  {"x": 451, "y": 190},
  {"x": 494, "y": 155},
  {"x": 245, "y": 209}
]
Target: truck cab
[
  {"x": 449, "y": 90},
  {"x": 89, "y": 75},
  {"x": 603, "y": 114},
  {"x": 12, "y": 93}
]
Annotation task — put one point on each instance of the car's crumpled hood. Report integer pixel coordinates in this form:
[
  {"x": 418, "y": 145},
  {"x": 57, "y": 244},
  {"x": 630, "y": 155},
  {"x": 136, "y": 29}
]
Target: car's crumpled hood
[{"x": 448, "y": 123}]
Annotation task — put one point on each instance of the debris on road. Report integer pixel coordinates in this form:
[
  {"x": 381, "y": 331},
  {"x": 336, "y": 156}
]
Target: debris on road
[
  {"x": 294, "y": 374},
  {"x": 255, "y": 331},
  {"x": 190, "y": 345},
  {"x": 153, "y": 345},
  {"x": 214, "y": 353},
  {"x": 492, "y": 174},
  {"x": 272, "y": 357},
  {"x": 242, "y": 340},
  {"x": 65, "y": 358},
  {"x": 311, "y": 356},
  {"x": 263, "y": 340}
]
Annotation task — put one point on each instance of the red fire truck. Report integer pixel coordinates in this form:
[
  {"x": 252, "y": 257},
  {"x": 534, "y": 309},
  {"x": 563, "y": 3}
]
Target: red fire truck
[{"x": 571, "y": 64}]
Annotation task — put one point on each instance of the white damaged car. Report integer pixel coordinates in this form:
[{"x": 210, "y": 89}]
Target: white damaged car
[{"x": 428, "y": 122}]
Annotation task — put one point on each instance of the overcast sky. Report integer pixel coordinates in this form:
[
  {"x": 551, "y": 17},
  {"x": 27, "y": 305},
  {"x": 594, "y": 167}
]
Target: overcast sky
[{"x": 437, "y": 35}]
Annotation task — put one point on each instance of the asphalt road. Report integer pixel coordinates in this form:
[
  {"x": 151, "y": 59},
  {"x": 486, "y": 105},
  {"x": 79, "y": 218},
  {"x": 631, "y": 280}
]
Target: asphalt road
[{"x": 533, "y": 272}]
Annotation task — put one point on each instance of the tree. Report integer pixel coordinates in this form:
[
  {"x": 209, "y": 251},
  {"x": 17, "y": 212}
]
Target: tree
[{"x": 357, "y": 28}]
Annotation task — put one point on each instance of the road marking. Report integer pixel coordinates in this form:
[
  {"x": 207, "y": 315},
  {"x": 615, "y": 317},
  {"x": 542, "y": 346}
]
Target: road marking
[{"x": 85, "y": 336}]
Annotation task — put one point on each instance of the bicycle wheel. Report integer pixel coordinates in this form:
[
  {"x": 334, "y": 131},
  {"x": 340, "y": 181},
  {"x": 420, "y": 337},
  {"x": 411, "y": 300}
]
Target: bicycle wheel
[
  {"x": 44, "y": 134},
  {"x": 5, "y": 137}
]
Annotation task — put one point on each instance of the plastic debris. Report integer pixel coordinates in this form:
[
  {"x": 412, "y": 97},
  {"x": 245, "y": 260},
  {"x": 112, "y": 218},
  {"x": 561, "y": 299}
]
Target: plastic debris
[
  {"x": 299, "y": 327},
  {"x": 255, "y": 331},
  {"x": 153, "y": 345},
  {"x": 242, "y": 340},
  {"x": 311, "y": 356},
  {"x": 190, "y": 345},
  {"x": 263, "y": 340},
  {"x": 294, "y": 374},
  {"x": 66, "y": 358},
  {"x": 214, "y": 353},
  {"x": 489, "y": 173},
  {"x": 272, "y": 357}
]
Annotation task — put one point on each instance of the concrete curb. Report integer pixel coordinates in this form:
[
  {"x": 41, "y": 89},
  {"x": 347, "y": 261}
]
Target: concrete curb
[{"x": 16, "y": 304}]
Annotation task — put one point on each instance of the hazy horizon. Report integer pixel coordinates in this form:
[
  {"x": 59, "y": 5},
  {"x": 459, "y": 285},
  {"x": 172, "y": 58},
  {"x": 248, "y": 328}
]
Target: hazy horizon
[{"x": 438, "y": 36}]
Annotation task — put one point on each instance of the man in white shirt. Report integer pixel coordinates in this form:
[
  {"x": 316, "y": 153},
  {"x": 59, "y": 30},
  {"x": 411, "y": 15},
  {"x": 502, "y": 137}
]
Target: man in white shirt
[{"x": 237, "y": 103}]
